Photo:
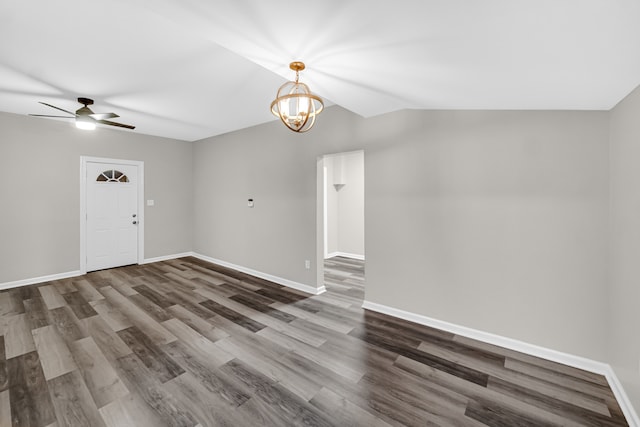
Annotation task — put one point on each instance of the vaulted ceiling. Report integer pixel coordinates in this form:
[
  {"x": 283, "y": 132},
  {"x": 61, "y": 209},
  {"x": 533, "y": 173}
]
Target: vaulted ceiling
[{"x": 190, "y": 69}]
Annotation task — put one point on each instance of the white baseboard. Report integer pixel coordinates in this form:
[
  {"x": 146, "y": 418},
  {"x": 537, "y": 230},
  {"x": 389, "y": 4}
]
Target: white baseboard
[
  {"x": 346, "y": 255},
  {"x": 523, "y": 347},
  {"x": 279, "y": 280},
  {"x": 167, "y": 257},
  {"x": 285, "y": 282},
  {"x": 41, "y": 279},
  {"x": 623, "y": 399},
  {"x": 76, "y": 273}
]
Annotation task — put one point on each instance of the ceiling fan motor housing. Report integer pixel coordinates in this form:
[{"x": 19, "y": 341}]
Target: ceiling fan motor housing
[{"x": 85, "y": 101}]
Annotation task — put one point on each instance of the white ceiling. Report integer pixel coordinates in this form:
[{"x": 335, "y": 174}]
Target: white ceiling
[{"x": 190, "y": 69}]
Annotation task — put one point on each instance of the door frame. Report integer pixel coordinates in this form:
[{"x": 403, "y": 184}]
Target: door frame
[{"x": 83, "y": 204}]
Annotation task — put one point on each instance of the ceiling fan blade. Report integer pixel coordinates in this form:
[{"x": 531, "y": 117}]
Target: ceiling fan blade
[
  {"x": 107, "y": 122},
  {"x": 58, "y": 108},
  {"x": 103, "y": 116},
  {"x": 46, "y": 115}
]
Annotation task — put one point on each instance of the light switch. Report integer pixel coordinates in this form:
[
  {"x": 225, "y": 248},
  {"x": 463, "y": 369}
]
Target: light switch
[
  {"x": 151, "y": 202},
  {"x": 250, "y": 203}
]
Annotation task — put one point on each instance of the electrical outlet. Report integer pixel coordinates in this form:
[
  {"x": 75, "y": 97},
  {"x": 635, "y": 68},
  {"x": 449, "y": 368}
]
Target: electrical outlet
[{"x": 307, "y": 264}]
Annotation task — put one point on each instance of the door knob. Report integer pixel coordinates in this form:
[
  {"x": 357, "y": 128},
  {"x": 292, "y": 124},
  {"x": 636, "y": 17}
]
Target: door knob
[
  {"x": 135, "y": 222},
  {"x": 134, "y": 215}
]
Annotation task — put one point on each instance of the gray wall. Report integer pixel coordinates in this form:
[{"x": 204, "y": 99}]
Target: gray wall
[
  {"x": 492, "y": 220},
  {"x": 278, "y": 171},
  {"x": 345, "y": 203},
  {"x": 351, "y": 206},
  {"x": 40, "y": 192},
  {"x": 624, "y": 293},
  {"x": 331, "y": 208}
]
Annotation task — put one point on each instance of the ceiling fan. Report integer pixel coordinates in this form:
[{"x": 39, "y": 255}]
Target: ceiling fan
[{"x": 84, "y": 117}]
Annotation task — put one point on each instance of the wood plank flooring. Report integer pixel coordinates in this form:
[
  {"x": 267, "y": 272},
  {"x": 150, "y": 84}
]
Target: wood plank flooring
[{"x": 188, "y": 343}]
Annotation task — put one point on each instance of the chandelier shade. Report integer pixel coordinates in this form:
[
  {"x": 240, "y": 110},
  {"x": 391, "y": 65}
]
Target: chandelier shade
[{"x": 295, "y": 105}]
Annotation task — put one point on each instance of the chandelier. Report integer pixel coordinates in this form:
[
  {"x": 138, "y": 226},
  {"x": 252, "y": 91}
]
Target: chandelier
[{"x": 295, "y": 105}]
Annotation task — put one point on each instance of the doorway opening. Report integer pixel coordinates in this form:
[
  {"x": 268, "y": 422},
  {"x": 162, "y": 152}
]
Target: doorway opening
[{"x": 341, "y": 244}]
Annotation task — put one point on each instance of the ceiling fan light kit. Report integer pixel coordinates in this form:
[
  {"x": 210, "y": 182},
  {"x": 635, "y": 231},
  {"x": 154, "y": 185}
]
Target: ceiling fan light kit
[
  {"x": 85, "y": 124},
  {"x": 295, "y": 105},
  {"x": 84, "y": 117}
]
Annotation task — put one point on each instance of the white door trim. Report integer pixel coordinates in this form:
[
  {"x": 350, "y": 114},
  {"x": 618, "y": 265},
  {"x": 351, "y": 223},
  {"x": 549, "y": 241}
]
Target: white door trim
[
  {"x": 325, "y": 207},
  {"x": 83, "y": 205}
]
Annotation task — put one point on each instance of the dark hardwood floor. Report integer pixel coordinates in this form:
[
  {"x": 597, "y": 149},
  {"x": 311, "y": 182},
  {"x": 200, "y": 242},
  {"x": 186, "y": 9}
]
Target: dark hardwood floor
[{"x": 187, "y": 343}]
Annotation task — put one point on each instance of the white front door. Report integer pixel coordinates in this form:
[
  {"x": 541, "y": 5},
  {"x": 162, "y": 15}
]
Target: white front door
[{"x": 112, "y": 215}]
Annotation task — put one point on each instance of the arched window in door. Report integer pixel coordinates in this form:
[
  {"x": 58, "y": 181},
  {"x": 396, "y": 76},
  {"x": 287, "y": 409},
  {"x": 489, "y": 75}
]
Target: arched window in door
[{"x": 112, "y": 175}]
